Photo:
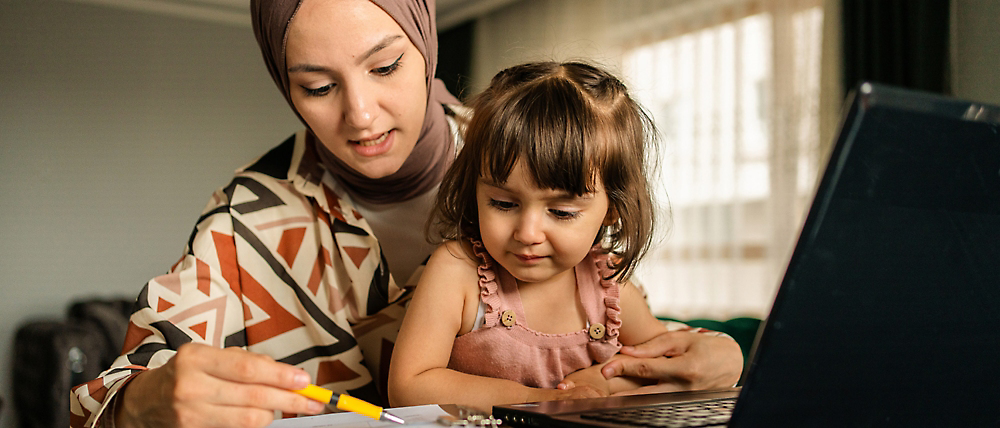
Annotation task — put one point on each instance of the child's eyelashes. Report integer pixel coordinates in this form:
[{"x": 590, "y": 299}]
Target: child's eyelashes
[
  {"x": 559, "y": 214},
  {"x": 502, "y": 205},
  {"x": 563, "y": 214}
]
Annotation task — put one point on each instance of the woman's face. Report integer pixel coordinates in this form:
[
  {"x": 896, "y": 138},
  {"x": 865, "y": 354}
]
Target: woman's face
[{"x": 358, "y": 82}]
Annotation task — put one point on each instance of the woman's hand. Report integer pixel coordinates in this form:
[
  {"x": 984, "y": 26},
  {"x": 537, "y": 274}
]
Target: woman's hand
[
  {"x": 696, "y": 361},
  {"x": 206, "y": 386}
]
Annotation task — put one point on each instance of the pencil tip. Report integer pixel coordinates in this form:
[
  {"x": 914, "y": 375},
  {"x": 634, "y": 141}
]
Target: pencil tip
[{"x": 393, "y": 418}]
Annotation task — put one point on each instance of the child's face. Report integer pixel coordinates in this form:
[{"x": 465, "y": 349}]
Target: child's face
[{"x": 537, "y": 234}]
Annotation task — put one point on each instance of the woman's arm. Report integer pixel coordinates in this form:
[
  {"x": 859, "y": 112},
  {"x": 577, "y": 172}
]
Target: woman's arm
[
  {"x": 419, "y": 373},
  {"x": 172, "y": 375}
]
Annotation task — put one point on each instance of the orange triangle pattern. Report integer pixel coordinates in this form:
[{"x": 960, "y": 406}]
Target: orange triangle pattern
[
  {"x": 134, "y": 336},
  {"x": 291, "y": 241},
  {"x": 204, "y": 276},
  {"x": 279, "y": 319},
  {"x": 334, "y": 371},
  {"x": 357, "y": 254},
  {"x": 334, "y": 203},
  {"x": 163, "y": 305},
  {"x": 200, "y": 328},
  {"x": 225, "y": 249},
  {"x": 316, "y": 276}
]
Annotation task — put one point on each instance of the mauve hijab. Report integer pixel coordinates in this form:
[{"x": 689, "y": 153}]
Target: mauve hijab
[{"x": 434, "y": 150}]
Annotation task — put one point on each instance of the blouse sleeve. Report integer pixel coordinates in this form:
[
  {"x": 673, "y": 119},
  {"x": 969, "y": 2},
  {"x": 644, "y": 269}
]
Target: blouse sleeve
[{"x": 167, "y": 313}]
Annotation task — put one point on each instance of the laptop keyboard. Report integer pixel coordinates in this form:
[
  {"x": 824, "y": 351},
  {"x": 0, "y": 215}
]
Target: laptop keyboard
[{"x": 672, "y": 415}]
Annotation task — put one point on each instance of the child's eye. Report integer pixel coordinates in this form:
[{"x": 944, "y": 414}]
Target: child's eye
[
  {"x": 563, "y": 214},
  {"x": 501, "y": 205},
  {"x": 318, "y": 92},
  {"x": 389, "y": 69}
]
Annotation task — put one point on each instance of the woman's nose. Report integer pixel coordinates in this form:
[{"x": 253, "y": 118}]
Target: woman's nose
[
  {"x": 360, "y": 108},
  {"x": 529, "y": 230}
]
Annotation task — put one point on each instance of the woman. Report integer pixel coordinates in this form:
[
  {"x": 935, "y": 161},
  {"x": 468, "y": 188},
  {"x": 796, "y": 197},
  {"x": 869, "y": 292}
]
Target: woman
[{"x": 283, "y": 281}]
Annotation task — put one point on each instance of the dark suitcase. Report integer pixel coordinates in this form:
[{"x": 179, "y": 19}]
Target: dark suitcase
[{"x": 52, "y": 356}]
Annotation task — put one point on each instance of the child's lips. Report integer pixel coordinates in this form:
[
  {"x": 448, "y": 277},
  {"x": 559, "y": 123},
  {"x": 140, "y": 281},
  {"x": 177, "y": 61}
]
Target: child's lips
[{"x": 528, "y": 258}]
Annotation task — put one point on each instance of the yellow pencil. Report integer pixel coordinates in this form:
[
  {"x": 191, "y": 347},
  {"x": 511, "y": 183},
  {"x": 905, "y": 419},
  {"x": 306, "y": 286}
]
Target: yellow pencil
[{"x": 348, "y": 403}]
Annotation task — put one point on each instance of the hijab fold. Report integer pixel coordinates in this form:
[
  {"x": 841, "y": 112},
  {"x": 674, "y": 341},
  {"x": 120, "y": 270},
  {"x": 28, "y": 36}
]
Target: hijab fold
[{"x": 434, "y": 150}]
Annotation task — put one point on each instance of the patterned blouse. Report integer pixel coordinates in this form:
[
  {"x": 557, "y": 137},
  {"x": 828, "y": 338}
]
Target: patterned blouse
[{"x": 279, "y": 263}]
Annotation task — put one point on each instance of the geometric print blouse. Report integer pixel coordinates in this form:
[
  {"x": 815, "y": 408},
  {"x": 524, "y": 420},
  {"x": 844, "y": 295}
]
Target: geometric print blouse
[{"x": 279, "y": 263}]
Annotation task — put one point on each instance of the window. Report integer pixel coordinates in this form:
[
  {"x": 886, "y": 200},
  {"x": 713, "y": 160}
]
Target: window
[{"x": 736, "y": 101}]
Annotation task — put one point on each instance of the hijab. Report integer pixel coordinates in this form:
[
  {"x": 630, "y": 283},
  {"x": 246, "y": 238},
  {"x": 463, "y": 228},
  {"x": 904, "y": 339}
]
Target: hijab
[{"x": 434, "y": 149}]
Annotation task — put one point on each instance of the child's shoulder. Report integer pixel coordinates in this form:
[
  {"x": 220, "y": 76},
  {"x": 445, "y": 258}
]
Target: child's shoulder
[{"x": 455, "y": 254}]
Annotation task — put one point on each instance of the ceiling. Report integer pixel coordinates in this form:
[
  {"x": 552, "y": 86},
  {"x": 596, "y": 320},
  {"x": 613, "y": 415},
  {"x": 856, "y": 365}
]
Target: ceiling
[{"x": 235, "y": 12}]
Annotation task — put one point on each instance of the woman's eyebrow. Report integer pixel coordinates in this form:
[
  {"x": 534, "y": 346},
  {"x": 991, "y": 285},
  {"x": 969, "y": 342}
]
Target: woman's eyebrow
[
  {"x": 384, "y": 43},
  {"x": 379, "y": 46}
]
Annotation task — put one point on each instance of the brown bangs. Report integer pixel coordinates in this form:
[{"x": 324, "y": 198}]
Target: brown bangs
[{"x": 549, "y": 125}]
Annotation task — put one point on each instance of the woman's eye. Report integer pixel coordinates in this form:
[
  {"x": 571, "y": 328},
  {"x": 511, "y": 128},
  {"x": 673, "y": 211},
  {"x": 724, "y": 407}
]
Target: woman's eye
[
  {"x": 501, "y": 205},
  {"x": 564, "y": 215},
  {"x": 318, "y": 92},
  {"x": 389, "y": 69}
]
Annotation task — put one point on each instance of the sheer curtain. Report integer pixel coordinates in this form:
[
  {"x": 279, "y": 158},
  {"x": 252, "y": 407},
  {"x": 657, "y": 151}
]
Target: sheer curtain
[{"x": 735, "y": 89}]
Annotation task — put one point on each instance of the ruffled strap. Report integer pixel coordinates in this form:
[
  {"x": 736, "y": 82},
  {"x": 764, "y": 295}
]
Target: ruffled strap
[
  {"x": 488, "y": 284},
  {"x": 610, "y": 291}
]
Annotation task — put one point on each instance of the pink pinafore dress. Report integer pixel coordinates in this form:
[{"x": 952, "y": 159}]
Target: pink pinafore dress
[{"x": 504, "y": 347}]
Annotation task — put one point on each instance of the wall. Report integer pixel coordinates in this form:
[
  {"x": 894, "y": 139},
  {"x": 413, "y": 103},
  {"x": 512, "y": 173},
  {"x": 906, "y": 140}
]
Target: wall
[
  {"x": 115, "y": 127},
  {"x": 976, "y": 58}
]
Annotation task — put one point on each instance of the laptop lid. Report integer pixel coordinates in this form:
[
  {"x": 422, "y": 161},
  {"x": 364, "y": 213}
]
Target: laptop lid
[{"x": 889, "y": 310}]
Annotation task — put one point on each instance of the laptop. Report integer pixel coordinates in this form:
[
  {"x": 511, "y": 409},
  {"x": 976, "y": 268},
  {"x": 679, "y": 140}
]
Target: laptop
[{"x": 889, "y": 311}]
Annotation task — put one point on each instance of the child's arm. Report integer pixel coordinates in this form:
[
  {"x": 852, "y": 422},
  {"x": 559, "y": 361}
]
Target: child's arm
[
  {"x": 638, "y": 323},
  {"x": 592, "y": 376},
  {"x": 638, "y": 326},
  {"x": 419, "y": 372}
]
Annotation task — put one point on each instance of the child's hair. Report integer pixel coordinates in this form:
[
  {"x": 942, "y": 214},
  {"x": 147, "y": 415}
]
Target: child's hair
[{"x": 570, "y": 123}]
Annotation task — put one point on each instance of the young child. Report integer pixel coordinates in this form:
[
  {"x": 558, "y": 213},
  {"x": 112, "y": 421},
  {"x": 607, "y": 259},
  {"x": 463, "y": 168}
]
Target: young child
[{"x": 547, "y": 210}]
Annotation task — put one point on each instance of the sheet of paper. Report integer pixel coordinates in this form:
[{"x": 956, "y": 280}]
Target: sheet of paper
[{"x": 414, "y": 416}]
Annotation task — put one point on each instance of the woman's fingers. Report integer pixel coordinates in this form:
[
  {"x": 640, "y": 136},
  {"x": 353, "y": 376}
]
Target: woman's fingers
[
  {"x": 238, "y": 365},
  {"x": 206, "y": 386},
  {"x": 670, "y": 343},
  {"x": 685, "y": 360},
  {"x": 645, "y": 368}
]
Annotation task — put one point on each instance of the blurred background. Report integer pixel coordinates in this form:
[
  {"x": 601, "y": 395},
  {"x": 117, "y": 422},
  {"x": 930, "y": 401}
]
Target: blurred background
[{"x": 118, "y": 118}]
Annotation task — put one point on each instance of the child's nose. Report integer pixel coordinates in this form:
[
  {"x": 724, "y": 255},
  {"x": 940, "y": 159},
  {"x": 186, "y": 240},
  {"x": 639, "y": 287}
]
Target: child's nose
[{"x": 529, "y": 229}]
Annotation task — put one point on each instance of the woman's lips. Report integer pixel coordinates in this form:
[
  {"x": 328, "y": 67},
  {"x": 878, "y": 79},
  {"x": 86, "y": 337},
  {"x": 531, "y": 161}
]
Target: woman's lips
[{"x": 374, "y": 146}]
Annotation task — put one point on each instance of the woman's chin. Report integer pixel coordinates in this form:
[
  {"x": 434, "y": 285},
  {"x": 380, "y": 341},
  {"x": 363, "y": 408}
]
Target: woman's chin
[{"x": 378, "y": 169}]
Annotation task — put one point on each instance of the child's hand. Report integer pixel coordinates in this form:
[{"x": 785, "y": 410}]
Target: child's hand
[
  {"x": 593, "y": 376},
  {"x": 590, "y": 377},
  {"x": 583, "y": 390}
]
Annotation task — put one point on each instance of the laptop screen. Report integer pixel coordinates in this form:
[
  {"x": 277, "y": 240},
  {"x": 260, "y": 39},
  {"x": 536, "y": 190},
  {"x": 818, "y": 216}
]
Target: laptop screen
[{"x": 889, "y": 312}]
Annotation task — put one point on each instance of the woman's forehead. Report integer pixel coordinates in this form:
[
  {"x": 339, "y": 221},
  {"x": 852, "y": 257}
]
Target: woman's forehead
[{"x": 345, "y": 24}]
